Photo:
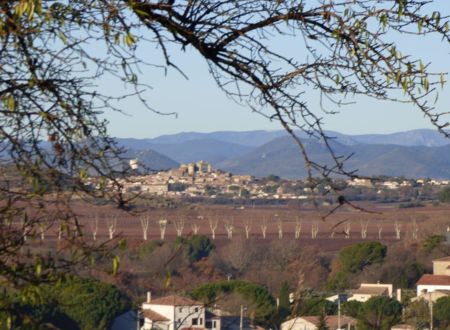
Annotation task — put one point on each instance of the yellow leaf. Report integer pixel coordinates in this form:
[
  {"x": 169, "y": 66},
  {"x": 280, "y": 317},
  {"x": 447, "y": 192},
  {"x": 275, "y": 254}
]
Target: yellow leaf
[{"x": 116, "y": 262}]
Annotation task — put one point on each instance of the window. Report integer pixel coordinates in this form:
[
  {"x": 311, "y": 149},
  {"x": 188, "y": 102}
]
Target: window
[
  {"x": 214, "y": 324},
  {"x": 201, "y": 321},
  {"x": 208, "y": 325},
  {"x": 180, "y": 309},
  {"x": 196, "y": 309},
  {"x": 195, "y": 321}
]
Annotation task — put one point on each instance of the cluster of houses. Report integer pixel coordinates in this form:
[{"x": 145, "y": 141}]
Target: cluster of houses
[
  {"x": 201, "y": 179},
  {"x": 181, "y": 313}
]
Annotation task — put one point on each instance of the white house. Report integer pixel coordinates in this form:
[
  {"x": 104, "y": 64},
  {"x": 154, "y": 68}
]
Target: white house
[
  {"x": 174, "y": 313},
  {"x": 438, "y": 281},
  {"x": 312, "y": 323},
  {"x": 369, "y": 290}
]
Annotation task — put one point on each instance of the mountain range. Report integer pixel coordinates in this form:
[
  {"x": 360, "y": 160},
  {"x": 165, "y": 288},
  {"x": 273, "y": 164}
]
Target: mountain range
[{"x": 413, "y": 154}]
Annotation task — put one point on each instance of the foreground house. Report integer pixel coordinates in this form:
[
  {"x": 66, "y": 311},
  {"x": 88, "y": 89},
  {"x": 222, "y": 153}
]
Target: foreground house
[
  {"x": 369, "y": 290},
  {"x": 436, "y": 285},
  {"x": 174, "y": 312},
  {"x": 181, "y": 313},
  {"x": 312, "y": 323}
]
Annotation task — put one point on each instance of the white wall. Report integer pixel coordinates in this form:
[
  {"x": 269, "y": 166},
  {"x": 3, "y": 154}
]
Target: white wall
[
  {"x": 186, "y": 314},
  {"x": 297, "y": 324},
  {"x": 431, "y": 288}
]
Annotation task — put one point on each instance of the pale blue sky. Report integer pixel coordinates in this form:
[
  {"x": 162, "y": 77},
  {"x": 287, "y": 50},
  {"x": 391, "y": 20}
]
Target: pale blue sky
[{"x": 203, "y": 107}]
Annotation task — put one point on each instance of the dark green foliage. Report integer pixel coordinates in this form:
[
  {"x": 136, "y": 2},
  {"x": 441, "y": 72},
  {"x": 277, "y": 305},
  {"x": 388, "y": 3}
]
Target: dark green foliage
[
  {"x": 91, "y": 304},
  {"x": 147, "y": 249},
  {"x": 444, "y": 195},
  {"x": 418, "y": 314},
  {"x": 284, "y": 308},
  {"x": 352, "y": 308},
  {"x": 432, "y": 242},
  {"x": 403, "y": 275},
  {"x": 354, "y": 258},
  {"x": 442, "y": 312},
  {"x": 322, "y": 322},
  {"x": 256, "y": 294},
  {"x": 73, "y": 304},
  {"x": 340, "y": 281},
  {"x": 196, "y": 247},
  {"x": 379, "y": 313},
  {"x": 316, "y": 306}
]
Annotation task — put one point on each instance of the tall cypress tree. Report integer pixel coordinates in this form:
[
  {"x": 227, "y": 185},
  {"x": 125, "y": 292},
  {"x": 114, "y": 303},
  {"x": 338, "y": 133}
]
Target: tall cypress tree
[{"x": 284, "y": 309}]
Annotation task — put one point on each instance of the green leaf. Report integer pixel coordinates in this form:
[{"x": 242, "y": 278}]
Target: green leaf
[
  {"x": 115, "y": 265},
  {"x": 83, "y": 173},
  {"x": 38, "y": 268}
]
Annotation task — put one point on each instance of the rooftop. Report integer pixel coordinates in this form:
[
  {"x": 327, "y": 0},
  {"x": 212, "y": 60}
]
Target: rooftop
[
  {"x": 175, "y": 300},
  {"x": 429, "y": 279},
  {"x": 332, "y": 320},
  {"x": 152, "y": 315},
  {"x": 371, "y": 290},
  {"x": 443, "y": 259}
]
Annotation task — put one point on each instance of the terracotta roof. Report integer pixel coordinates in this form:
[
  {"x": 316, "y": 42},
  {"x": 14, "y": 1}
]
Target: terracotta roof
[
  {"x": 175, "y": 300},
  {"x": 429, "y": 279},
  {"x": 152, "y": 315},
  {"x": 332, "y": 320},
  {"x": 442, "y": 259}
]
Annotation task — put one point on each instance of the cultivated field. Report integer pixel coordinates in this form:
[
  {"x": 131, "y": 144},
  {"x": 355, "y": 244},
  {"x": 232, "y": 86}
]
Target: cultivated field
[{"x": 345, "y": 226}]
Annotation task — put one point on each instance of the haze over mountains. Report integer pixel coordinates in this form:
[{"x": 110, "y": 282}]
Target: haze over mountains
[{"x": 413, "y": 154}]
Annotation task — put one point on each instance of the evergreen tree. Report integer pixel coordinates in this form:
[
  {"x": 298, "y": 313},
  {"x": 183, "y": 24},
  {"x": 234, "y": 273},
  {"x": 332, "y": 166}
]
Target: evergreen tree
[
  {"x": 322, "y": 321},
  {"x": 284, "y": 309}
]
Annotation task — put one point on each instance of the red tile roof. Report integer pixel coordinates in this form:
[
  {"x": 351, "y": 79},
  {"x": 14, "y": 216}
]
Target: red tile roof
[
  {"x": 175, "y": 300},
  {"x": 152, "y": 315},
  {"x": 429, "y": 279}
]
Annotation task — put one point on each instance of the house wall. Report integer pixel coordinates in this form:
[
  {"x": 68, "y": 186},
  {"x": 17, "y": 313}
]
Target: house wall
[
  {"x": 184, "y": 316},
  {"x": 298, "y": 324},
  {"x": 165, "y": 310},
  {"x": 360, "y": 297},
  {"x": 440, "y": 267},
  {"x": 431, "y": 288}
]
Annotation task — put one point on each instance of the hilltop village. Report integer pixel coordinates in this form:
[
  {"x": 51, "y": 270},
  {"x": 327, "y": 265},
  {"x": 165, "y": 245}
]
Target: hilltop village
[{"x": 200, "y": 179}]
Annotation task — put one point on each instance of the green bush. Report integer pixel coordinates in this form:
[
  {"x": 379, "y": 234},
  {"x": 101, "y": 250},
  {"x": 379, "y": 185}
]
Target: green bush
[
  {"x": 444, "y": 195},
  {"x": 432, "y": 242},
  {"x": 255, "y": 293},
  {"x": 73, "y": 304},
  {"x": 379, "y": 313},
  {"x": 354, "y": 258},
  {"x": 196, "y": 247},
  {"x": 442, "y": 312}
]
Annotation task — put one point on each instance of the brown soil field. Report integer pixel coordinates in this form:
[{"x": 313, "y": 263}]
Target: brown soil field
[{"x": 413, "y": 223}]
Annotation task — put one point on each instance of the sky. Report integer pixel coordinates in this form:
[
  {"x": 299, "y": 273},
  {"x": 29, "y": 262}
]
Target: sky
[{"x": 202, "y": 107}]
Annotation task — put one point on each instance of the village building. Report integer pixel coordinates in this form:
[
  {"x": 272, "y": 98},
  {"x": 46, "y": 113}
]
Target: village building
[
  {"x": 369, "y": 290},
  {"x": 334, "y": 322},
  {"x": 436, "y": 285}
]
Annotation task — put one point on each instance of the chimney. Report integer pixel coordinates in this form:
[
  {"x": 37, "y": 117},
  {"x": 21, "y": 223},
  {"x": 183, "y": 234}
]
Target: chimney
[{"x": 149, "y": 296}]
